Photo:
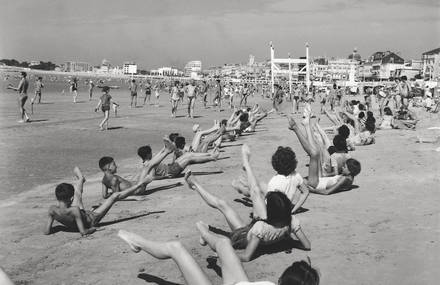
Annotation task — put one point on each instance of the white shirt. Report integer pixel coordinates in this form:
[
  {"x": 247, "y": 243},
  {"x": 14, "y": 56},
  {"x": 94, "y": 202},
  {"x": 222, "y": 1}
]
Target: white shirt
[{"x": 285, "y": 184}]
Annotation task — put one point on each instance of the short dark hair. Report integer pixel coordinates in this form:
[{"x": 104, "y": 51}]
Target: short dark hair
[
  {"x": 39, "y": 77},
  {"x": 284, "y": 161},
  {"x": 354, "y": 166},
  {"x": 361, "y": 107},
  {"x": 299, "y": 273},
  {"x": 331, "y": 149},
  {"x": 387, "y": 111},
  {"x": 279, "y": 209},
  {"x": 344, "y": 131},
  {"x": 223, "y": 122},
  {"x": 173, "y": 136},
  {"x": 104, "y": 161},
  {"x": 144, "y": 152},
  {"x": 24, "y": 74},
  {"x": 105, "y": 89},
  {"x": 64, "y": 191},
  {"x": 404, "y": 78},
  {"x": 244, "y": 117},
  {"x": 133, "y": 80},
  {"x": 340, "y": 143},
  {"x": 180, "y": 142}
]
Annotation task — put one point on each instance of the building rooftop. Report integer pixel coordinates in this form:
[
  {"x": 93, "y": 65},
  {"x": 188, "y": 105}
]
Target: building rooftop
[{"x": 431, "y": 52}]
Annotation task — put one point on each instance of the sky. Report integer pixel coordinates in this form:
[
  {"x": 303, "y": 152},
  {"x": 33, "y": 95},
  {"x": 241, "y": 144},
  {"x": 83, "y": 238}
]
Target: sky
[{"x": 156, "y": 33}]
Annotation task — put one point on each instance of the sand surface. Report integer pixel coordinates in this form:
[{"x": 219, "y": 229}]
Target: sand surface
[{"x": 384, "y": 232}]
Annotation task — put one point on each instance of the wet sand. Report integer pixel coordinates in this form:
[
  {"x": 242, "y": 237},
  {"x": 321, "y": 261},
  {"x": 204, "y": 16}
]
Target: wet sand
[{"x": 386, "y": 231}]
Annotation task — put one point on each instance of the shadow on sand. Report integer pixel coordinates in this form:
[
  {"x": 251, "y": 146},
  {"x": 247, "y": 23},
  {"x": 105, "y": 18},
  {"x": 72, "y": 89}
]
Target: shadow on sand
[
  {"x": 129, "y": 218},
  {"x": 154, "y": 279}
]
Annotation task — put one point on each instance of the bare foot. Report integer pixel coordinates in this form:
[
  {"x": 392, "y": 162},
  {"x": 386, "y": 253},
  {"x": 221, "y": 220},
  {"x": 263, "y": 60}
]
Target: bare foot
[
  {"x": 190, "y": 180},
  {"x": 292, "y": 123},
  {"x": 215, "y": 154},
  {"x": 131, "y": 239},
  {"x": 203, "y": 229},
  {"x": 79, "y": 174},
  {"x": 169, "y": 146}
]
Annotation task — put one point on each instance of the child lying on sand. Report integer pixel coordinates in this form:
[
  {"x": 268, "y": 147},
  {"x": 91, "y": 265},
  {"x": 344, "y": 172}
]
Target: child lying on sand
[
  {"x": 319, "y": 184},
  {"x": 272, "y": 218},
  {"x": 116, "y": 183},
  {"x": 70, "y": 209},
  {"x": 175, "y": 168}
]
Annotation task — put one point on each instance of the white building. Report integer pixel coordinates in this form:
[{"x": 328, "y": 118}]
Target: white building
[
  {"x": 166, "y": 71},
  {"x": 431, "y": 64},
  {"x": 74, "y": 66},
  {"x": 193, "y": 68},
  {"x": 129, "y": 67}
]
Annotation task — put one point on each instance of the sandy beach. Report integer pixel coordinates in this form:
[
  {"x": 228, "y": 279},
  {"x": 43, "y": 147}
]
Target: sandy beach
[{"x": 385, "y": 231}]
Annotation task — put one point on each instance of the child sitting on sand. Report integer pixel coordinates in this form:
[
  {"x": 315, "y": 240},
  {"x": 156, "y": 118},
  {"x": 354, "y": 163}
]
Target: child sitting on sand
[
  {"x": 319, "y": 184},
  {"x": 272, "y": 215},
  {"x": 175, "y": 168},
  {"x": 70, "y": 209},
  {"x": 387, "y": 120},
  {"x": 116, "y": 183}
]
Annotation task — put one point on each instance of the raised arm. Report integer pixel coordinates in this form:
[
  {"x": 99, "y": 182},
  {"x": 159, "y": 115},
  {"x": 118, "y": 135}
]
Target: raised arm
[{"x": 304, "y": 190}]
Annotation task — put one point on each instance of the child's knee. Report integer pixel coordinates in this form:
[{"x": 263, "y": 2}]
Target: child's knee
[
  {"x": 175, "y": 247},
  {"x": 222, "y": 204}
]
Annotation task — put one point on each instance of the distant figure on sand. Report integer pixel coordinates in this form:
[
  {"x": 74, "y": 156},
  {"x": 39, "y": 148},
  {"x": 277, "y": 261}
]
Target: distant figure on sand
[
  {"x": 191, "y": 94},
  {"x": 22, "y": 96},
  {"x": 104, "y": 102},
  {"x": 74, "y": 88},
  {"x": 38, "y": 86},
  {"x": 133, "y": 93},
  {"x": 91, "y": 87}
]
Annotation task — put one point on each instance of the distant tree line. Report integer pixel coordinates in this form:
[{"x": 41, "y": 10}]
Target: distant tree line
[{"x": 42, "y": 66}]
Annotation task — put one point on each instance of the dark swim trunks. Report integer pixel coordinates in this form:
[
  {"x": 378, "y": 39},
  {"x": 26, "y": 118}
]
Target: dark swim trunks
[{"x": 174, "y": 169}]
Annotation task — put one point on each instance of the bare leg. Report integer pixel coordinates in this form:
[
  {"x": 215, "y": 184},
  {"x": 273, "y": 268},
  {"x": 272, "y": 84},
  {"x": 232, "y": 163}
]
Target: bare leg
[
  {"x": 314, "y": 164},
  {"x": 191, "y": 271},
  {"x": 231, "y": 216},
  {"x": 257, "y": 196},
  {"x": 232, "y": 269},
  {"x": 77, "y": 197},
  {"x": 203, "y": 146},
  {"x": 4, "y": 278},
  {"x": 102, "y": 210},
  {"x": 189, "y": 158},
  {"x": 104, "y": 121}
]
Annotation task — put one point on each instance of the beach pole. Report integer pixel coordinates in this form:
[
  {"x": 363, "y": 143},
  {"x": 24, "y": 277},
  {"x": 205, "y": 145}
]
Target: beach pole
[
  {"x": 307, "y": 67},
  {"x": 290, "y": 76},
  {"x": 271, "y": 68}
]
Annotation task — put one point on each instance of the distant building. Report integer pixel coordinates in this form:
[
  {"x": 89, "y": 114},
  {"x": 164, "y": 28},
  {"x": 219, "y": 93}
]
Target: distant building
[
  {"x": 73, "y": 66},
  {"x": 129, "y": 67},
  {"x": 431, "y": 64},
  {"x": 34, "y": 62},
  {"x": 193, "y": 68},
  {"x": 335, "y": 69},
  {"x": 355, "y": 56},
  {"x": 166, "y": 71},
  {"x": 412, "y": 69},
  {"x": 384, "y": 64}
]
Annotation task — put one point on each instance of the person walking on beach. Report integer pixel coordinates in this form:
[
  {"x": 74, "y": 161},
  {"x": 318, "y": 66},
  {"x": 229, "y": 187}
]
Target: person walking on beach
[
  {"x": 404, "y": 90},
  {"x": 174, "y": 94},
  {"x": 104, "y": 102},
  {"x": 147, "y": 92},
  {"x": 190, "y": 91},
  {"x": 133, "y": 93},
  {"x": 74, "y": 88},
  {"x": 91, "y": 87},
  {"x": 218, "y": 95},
  {"x": 22, "y": 96},
  {"x": 38, "y": 86}
]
